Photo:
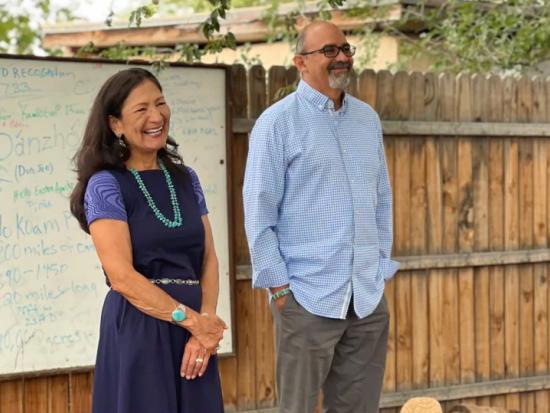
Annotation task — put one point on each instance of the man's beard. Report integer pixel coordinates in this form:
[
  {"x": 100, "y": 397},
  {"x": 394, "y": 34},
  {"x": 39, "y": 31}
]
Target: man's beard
[{"x": 339, "y": 81}]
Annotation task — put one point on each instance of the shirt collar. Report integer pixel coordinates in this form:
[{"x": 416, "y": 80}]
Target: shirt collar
[{"x": 317, "y": 99}]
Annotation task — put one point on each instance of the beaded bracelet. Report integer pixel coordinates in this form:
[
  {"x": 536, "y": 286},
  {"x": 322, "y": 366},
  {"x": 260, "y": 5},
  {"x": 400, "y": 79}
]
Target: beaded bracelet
[{"x": 280, "y": 293}]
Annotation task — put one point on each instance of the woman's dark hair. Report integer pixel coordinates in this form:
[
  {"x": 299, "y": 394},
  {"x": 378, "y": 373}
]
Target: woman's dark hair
[{"x": 101, "y": 149}]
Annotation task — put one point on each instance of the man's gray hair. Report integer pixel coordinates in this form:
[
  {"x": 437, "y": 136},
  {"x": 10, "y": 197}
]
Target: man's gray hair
[{"x": 300, "y": 41}]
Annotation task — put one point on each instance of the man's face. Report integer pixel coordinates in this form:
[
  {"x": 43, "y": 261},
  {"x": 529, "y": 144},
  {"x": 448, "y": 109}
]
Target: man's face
[{"x": 319, "y": 71}]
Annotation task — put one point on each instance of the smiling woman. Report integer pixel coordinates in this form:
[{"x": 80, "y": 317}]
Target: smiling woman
[
  {"x": 143, "y": 124},
  {"x": 149, "y": 223}
]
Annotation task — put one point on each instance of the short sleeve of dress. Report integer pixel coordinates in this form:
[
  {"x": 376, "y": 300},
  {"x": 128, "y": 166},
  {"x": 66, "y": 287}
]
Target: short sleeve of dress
[
  {"x": 103, "y": 198},
  {"x": 199, "y": 195}
]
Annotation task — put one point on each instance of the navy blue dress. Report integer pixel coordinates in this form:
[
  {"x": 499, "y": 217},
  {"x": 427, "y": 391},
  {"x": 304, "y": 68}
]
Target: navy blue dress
[{"x": 139, "y": 357}]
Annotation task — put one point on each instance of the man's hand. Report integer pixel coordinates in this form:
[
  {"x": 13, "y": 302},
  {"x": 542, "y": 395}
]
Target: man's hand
[{"x": 279, "y": 302}]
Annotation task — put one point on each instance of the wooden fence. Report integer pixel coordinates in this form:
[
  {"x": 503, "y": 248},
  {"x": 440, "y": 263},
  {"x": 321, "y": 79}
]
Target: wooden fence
[{"x": 469, "y": 159}]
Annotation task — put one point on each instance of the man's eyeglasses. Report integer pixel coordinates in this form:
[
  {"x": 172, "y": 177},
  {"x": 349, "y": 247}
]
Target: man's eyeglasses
[{"x": 332, "y": 50}]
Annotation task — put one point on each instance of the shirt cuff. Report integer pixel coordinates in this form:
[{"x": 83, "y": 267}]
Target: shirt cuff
[
  {"x": 270, "y": 277},
  {"x": 388, "y": 268}
]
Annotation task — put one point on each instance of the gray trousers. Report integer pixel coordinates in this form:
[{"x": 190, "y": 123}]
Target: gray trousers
[{"x": 346, "y": 358}]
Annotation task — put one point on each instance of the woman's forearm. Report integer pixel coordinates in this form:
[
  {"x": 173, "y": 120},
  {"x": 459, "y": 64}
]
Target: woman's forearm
[
  {"x": 210, "y": 286},
  {"x": 210, "y": 272},
  {"x": 149, "y": 298}
]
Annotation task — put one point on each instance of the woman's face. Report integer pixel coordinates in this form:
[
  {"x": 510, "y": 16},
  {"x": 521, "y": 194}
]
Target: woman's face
[{"x": 144, "y": 120}]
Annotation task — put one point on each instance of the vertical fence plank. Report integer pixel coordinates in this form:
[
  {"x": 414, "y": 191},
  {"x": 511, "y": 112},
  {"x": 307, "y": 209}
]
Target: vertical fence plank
[
  {"x": 58, "y": 394},
  {"x": 264, "y": 335},
  {"x": 496, "y": 239},
  {"x": 540, "y": 229},
  {"x": 401, "y": 103},
  {"x": 80, "y": 385},
  {"x": 256, "y": 91},
  {"x": 434, "y": 181},
  {"x": 242, "y": 384},
  {"x": 397, "y": 107},
  {"x": 246, "y": 335},
  {"x": 276, "y": 80},
  {"x": 465, "y": 154},
  {"x": 292, "y": 75},
  {"x": 418, "y": 234},
  {"x": 264, "y": 340},
  {"x": 228, "y": 367},
  {"x": 383, "y": 88},
  {"x": 546, "y": 88},
  {"x": 481, "y": 235},
  {"x": 434, "y": 224},
  {"x": 11, "y": 396},
  {"x": 35, "y": 394},
  {"x": 264, "y": 352},
  {"x": 384, "y": 94},
  {"x": 526, "y": 324},
  {"x": 390, "y": 381},
  {"x": 367, "y": 90},
  {"x": 451, "y": 344},
  {"x": 352, "y": 88},
  {"x": 511, "y": 239},
  {"x": 238, "y": 151}
]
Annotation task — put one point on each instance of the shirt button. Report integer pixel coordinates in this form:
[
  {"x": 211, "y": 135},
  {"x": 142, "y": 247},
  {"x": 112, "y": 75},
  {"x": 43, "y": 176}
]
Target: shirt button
[{"x": 320, "y": 106}]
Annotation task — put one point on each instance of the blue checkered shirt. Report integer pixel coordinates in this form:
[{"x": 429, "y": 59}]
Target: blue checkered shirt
[{"x": 318, "y": 205}]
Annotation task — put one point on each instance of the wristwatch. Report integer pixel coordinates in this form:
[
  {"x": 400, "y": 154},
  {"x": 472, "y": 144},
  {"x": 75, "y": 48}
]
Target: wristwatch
[{"x": 178, "y": 315}]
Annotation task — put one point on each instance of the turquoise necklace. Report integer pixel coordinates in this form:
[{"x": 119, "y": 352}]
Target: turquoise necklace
[{"x": 175, "y": 205}]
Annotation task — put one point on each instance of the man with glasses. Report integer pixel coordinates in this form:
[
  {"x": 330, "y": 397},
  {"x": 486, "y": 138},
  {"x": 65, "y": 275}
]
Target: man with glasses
[{"x": 318, "y": 218}]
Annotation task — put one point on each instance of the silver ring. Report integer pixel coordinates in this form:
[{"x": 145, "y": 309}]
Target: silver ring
[{"x": 199, "y": 360}]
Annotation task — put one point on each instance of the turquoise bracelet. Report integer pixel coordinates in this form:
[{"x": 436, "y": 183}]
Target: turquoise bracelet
[{"x": 280, "y": 293}]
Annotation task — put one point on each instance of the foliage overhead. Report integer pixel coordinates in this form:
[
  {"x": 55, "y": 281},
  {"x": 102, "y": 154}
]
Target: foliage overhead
[
  {"x": 502, "y": 36},
  {"x": 483, "y": 36},
  {"x": 20, "y": 30}
]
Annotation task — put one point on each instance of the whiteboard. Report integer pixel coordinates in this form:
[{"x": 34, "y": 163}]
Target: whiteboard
[{"x": 51, "y": 284}]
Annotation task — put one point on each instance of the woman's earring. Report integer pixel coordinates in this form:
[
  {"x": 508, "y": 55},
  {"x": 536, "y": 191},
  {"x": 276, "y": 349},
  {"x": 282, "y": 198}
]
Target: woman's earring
[{"x": 121, "y": 141}]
